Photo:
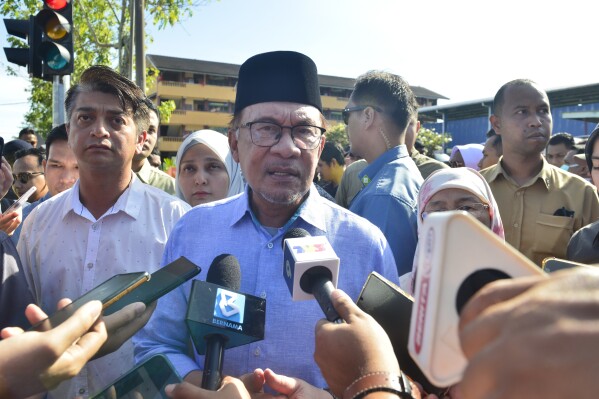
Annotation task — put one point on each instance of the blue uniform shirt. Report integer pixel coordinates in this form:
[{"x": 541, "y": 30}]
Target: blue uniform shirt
[
  {"x": 228, "y": 226},
  {"x": 389, "y": 200}
]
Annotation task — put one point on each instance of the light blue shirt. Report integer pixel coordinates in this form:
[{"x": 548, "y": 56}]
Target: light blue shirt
[
  {"x": 389, "y": 200},
  {"x": 228, "y": 226}
]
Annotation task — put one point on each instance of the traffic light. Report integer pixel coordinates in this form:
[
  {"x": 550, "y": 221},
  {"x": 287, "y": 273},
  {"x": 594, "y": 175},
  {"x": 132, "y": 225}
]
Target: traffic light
[
  {"x": 56, "y": 48},
  {"x": 25, "y": 29}
]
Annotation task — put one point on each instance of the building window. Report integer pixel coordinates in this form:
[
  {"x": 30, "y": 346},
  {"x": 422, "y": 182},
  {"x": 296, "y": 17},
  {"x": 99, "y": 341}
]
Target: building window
[
  {"x": 214, "y": 80},
  {"x": 171, "y": 76},
  {"x": 218, "y": 107}
]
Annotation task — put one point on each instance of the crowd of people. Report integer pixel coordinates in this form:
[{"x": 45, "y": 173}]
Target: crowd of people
[{"x": 101, "y": 209}]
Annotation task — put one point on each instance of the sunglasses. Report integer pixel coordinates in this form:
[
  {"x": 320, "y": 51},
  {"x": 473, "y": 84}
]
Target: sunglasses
[
  {"x": 345, "y": 113},
  {"x": 24, "y": 177}
]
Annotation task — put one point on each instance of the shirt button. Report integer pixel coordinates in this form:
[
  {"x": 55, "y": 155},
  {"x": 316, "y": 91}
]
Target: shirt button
[
  {"x": 81, "y": 391},
  {"x": 90, "y": 265},
  {"x": 257, "y": 352},
  {"x": 263, "y": 294},
  {"x": 270, "y": 245},
  {"x": 94, "y": 227},
  {"x": 516, "y": 225}
]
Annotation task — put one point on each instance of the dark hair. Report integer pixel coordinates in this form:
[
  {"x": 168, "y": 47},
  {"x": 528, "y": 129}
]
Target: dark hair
[
  {"x": 25, "y": 131},
  {"x": 105, "y": 80},
  {"x": 40, "y": 153},
  {"x": 562, "y": 138},
  {"x": 58, "y": 133},
  {"x": 495, "y": 141},
  {"x": 500, "y": 95},
  {"x": 389, "y": 92},
  {"x": 332, "y": 151},
  {"x": 154, "y": 108}
]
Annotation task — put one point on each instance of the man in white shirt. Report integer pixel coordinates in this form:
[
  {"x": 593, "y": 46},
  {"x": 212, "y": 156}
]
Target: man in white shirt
[{"x": 108, "y": 223}]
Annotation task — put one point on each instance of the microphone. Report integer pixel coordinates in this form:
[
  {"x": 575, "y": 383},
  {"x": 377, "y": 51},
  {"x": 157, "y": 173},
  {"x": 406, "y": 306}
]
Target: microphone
[
  {"x": 218, "y": 317},
  {"x": 311, "y": 269}
]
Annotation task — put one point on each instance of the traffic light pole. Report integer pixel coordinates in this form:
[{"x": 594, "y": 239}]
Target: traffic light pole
[{"x": 60, "y": 86}]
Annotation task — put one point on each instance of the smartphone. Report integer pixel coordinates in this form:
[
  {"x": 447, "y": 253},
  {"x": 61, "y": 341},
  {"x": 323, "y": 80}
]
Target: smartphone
[
  {"x": 146, "y": 381},
  {"x": 18, "y": 204},
  {"x": 391, "y": 307},
  {"x": 161, "y": 283},
  {"x": 551, "y": 264},
  {"x": 108, "y": 292}
]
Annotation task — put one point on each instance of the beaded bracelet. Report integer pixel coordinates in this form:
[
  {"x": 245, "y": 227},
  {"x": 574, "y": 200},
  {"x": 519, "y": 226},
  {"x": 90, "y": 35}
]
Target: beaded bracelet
[{"x": 376, "y": 382}]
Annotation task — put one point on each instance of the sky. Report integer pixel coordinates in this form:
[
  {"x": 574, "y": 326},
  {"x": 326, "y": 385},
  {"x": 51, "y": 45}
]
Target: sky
[{"x": 464, "y": 50}]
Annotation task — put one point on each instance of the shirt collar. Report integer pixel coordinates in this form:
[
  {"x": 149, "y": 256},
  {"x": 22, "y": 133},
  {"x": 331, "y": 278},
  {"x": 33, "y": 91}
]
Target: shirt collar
[
  {"x": 129, "y": 202},
  {"x": 372, "y": 169},
  {"x": 544, "y": 175},
  {"x": 310, "y": 211},
  {"x": 145, "y": 172}
]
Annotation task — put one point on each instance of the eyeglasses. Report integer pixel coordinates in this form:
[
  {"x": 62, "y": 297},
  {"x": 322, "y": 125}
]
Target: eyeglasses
[
  {"x": 267, "y": 134},
  {"x": 476, "y": 209},
  {"x": 24, "y": 177},
  {"x": 345, "y": 113}
]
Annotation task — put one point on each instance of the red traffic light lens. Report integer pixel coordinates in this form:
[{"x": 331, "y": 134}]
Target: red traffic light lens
[{"x": 56, "y": 4}]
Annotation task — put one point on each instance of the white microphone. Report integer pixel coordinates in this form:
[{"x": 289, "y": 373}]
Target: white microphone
[{"x": 311, "y": 269}]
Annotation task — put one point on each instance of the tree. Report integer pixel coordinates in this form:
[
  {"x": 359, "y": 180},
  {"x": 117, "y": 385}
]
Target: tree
[
  {"x": 101, "y": 36},
  {"x": 433, "y": 142},
  {"x": 338, "y": 134}
]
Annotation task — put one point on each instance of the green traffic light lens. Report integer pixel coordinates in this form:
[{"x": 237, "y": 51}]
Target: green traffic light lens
[
  {"x": 55, "y": 59},
  {"x": 56, "y": 4},
  {"x": 54, "y": 29}
]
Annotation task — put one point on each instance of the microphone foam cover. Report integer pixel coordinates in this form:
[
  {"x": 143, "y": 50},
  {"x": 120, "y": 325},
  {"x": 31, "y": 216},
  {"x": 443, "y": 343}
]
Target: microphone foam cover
[{"x": 225, "y": 271}]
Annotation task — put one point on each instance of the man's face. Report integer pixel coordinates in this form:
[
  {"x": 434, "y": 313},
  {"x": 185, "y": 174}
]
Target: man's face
[
  {"x": 525, "y": 120},
  {"x": 556, "y": 154},
  {"x": 357, "y": 139},
  {"x": 29, "y": 168},
  {"x": 61, "y": 167},
  {"x": 281, "y": 174},
  {"x": 151, "y": 136},
  {"x": 325, "y": 170},
  {"x": 101, "y": 133},
  {"x": 490, "y": 155},
  {"x": 30, "y": 138}
]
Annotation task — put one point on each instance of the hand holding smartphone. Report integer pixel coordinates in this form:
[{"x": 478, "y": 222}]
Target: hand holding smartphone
[
  {"x": 18, "y": 204},
  {"x": 108, "y": 292}
]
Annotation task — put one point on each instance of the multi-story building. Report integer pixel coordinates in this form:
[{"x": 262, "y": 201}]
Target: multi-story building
[{"x": 204, "y": 94}]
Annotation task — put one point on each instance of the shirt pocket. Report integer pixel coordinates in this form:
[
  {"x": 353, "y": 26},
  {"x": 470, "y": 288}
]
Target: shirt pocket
[{"x": 552, "y": 234}]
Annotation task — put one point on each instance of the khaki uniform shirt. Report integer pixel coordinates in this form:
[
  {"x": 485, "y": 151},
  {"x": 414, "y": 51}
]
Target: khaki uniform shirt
[
  {"x": 157, "y": 178},
  {"x": 426, "y": 165},
  {"x": 540, "y": 216}
]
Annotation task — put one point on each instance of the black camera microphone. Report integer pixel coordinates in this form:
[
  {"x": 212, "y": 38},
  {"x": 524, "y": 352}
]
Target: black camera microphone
[
  {"x": 311, "y": 269},
  {"x": 218, "y": 317}
]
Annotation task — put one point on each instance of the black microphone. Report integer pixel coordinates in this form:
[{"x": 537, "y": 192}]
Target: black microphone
[
  {"x": 218, "y": 317},
  {"x": 311, "y": 269}
]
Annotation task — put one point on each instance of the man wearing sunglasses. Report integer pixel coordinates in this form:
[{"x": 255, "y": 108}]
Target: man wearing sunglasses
[
  {"x": 28, "y": 171},
  {"x": 377, "y": 116}
]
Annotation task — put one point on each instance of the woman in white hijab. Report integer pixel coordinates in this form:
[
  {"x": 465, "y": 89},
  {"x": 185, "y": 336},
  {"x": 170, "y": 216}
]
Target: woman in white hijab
[{"x": 206, "y": 170}]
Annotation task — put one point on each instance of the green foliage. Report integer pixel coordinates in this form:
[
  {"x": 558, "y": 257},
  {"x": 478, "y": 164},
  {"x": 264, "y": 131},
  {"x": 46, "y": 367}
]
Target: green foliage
[
  {"x": 166, "y": 109},
  {"x": 433, "y": 142},
  {"x": 338, "y": 134},
  {"x": 101, "y": 31}
]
